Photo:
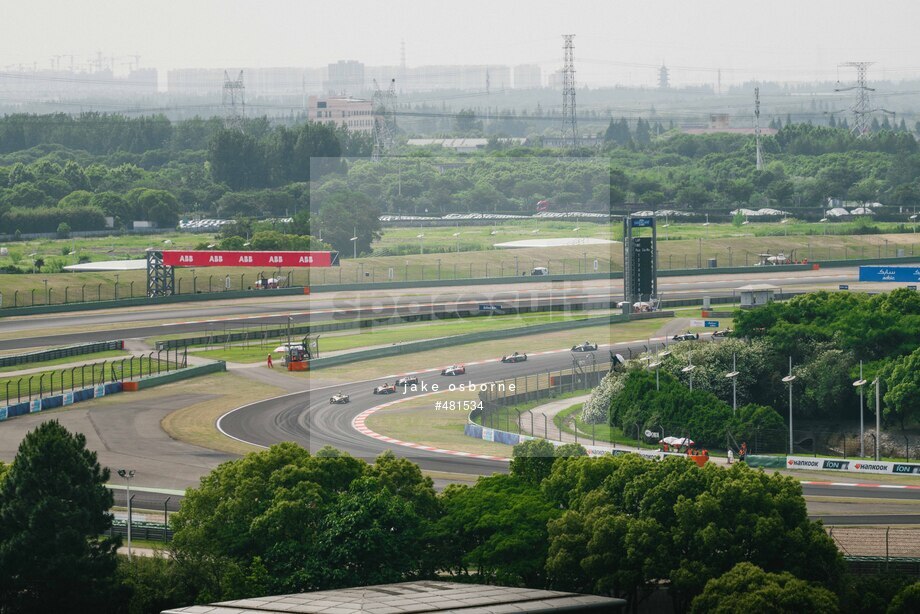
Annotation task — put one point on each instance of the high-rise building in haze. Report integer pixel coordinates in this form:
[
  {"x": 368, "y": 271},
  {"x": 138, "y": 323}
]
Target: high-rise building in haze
[
  {"x": 527, "y": 77},
  {"x": 345, "y": 77}
]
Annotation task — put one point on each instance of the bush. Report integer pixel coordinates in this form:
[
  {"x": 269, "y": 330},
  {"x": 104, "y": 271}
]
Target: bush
[
  {"x": 63, "y": 232},
  {"x": 44, "y": 219}
]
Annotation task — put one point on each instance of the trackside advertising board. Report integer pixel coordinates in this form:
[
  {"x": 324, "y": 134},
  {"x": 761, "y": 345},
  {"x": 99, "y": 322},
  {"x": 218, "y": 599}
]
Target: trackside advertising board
[
  {"x": 811, "y": 463},
  {"x": 191, "y": 258},
  {"x": 889, "y": 273}
]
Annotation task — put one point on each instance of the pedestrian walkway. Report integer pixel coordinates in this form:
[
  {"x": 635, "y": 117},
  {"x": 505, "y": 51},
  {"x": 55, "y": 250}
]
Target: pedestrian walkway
[{"x": 541, "y": 417}]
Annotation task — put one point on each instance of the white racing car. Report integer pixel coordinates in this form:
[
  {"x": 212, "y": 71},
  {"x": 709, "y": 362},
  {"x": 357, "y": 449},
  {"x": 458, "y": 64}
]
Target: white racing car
[
  {"x": 454, "y": 370},
  {"x": 407, "y": 381},
  {"x": 587, "y": 346},
  {"x": 514, "y": 357},
  {"x": 339, "y": 399}
]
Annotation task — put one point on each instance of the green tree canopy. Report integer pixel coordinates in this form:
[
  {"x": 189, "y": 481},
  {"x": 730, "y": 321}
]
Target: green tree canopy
[{"x": 53, "y": 508}]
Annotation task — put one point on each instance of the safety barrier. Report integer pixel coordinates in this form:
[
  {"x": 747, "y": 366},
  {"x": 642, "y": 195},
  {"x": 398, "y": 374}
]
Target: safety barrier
[
  {"x": 64, "y": 352},
  {"x": 65, "y": 398},
  {"x": 432, "y": 344}
]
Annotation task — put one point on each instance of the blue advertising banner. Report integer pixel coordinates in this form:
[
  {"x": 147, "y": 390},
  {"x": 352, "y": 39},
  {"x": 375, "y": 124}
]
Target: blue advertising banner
[
  {"x": 641, "y": 222},
  {"x": 889, "y": 273}
]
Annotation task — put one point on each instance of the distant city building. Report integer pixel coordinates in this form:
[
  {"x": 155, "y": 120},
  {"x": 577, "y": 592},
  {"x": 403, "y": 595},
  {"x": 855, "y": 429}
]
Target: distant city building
[
  {"x": 357, "y": 114},
  {"x": 35, "y": 85},
  {"x": 558, "y": 142},
  {"x": 527, "y": 77},
  {"x": 196, "y": 81},
  {"x": 345, "y": 77},
  {"x": 556, "y": 79}
]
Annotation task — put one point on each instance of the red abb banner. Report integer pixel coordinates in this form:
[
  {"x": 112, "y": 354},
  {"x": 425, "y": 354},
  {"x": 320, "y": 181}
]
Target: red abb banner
[{"x": 250, "y": 259}]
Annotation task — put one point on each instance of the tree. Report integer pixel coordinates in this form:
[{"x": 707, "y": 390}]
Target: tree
[
  {"x": 495, "y": 530},
  {"x": 370, "y": 535},
  {"x": 53, "y": 508},
  {"x": 748, "y": 588},
  {"x": 344, "y": 214},
  {"x": 532, "y": 460},
  {"x": 466, "y": 122},
  {"x": 902, "y": 399},
  {"x": 906, "y": 600}
]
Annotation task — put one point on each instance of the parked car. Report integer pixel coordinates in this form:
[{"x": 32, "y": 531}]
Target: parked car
[
  {"x": 454, "y": 370},
  {"x": 540, "y": 270},
  {"x": 587, "y": 346},
  {"x": 407, "y": 381},
  {"x": 685, "y": 337},
  {"x": 514, "y": 357},
  {"x": 339, "y": 399},
  {"x": 385, "y": 389}
]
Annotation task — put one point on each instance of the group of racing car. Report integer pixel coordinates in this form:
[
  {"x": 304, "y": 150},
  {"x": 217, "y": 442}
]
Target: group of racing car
[{"x": 587, "y": 346}]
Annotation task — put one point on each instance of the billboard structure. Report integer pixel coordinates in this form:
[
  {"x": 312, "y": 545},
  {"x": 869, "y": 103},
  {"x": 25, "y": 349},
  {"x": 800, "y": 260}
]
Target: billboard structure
[
  {"x": 161, "y": 275},
  {"x": 640, "y": 261}
]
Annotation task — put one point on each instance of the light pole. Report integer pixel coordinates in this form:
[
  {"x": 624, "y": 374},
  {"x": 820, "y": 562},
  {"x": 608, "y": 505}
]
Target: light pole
[
  {"x": 689, "y": 369},
  {"x": 878, "y": 417},
  {"x": 655, "y": 365},
  {"x": 116, "y": 286},
  {"x": 457, "y": 235},
  {"x": 421, "y": 246},
  {"x": 354, "y": 242},
  {"x": 788, "y": 380},
  {"x": 859, "y": 384},
  {"x": 127, "y": 474},
  {"x": 733, "y": 376}
]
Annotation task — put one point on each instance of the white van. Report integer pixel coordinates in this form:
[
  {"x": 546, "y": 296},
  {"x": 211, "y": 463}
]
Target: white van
[{"x": 540, "y": 270}]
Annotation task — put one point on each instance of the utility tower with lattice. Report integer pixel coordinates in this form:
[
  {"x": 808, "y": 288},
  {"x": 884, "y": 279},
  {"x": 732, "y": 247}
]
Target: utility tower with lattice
[
  {"x": 860, "y": 108},
  {"x": 569, "y": 126},
  {"x": 233, "y": 101},
  {"x": 757, "y": 128},
  {"x": 384, "y": 119}
]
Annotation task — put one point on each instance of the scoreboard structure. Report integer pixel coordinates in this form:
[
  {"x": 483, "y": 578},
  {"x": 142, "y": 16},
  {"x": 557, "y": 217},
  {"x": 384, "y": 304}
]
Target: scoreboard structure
[{"x": 640, "y": 261}]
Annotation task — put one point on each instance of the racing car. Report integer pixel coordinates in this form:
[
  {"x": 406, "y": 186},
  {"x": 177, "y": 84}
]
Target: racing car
[
  {"x": 514, "y": 357},
  {"x": 685, "y": 337},
  {"x": 407, "y": 381},
  {"x": 587, "y": 346},
  {"x": 339, "y": 398},
  {"x": 454, "y": 370},
  {"x": 723, "y": 333},
  {"x": 385, "y": 389}
]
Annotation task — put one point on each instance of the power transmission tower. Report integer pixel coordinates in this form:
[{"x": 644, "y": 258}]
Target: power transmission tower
[
  {"x": 384, "y": 119},
  {"x": 860, "y": 106},
  {"x": 234, "y": 102},
  {"x": 757, "y": 127},
  {"x": 569, "y": 127}
]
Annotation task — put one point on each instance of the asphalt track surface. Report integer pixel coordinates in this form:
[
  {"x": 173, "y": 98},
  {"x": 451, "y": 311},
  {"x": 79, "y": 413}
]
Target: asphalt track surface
[{"x": 186, "y": 318}]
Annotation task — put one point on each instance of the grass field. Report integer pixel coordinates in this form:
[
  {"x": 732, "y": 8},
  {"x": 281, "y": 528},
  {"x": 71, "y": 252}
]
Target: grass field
[
  {"x": 418, "y": 421},
  {"x": 362, "y": 338},
  {"x": 196, "y": 424}
]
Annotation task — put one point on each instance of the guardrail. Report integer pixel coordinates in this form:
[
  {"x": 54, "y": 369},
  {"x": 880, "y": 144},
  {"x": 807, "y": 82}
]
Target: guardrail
[
  {"x": 63, "y": 352},
  {"x": 431, "y": 344}
]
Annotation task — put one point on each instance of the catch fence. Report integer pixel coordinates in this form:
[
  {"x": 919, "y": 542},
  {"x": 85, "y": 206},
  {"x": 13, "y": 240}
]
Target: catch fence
[{"x": 47, "y": 383}]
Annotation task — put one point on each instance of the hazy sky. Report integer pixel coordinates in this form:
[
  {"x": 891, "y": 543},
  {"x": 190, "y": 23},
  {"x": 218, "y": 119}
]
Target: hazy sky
[{"x": 615, "y": 41}]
